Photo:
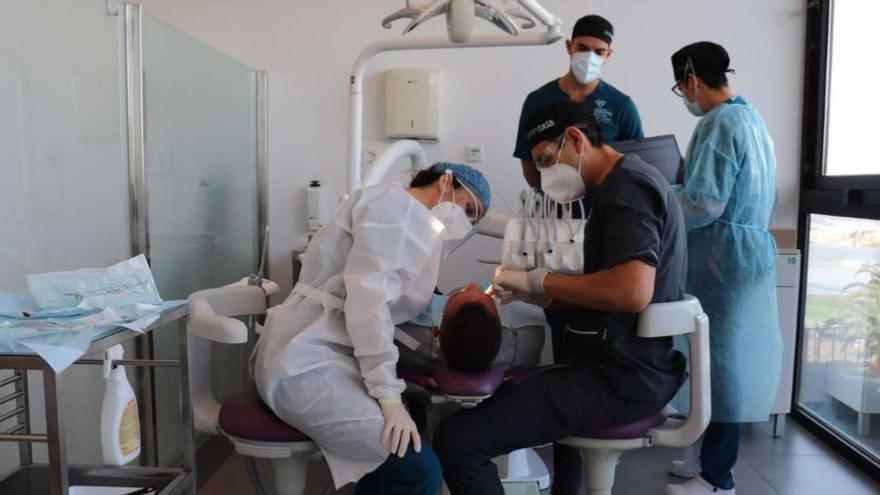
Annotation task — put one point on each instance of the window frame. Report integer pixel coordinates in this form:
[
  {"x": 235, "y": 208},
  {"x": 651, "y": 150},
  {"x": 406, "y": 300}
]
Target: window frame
[{"x": 841, "y": 196}]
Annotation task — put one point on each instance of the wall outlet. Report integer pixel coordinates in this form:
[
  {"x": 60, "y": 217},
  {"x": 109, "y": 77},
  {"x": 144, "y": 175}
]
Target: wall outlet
[
  {"x": 368, "y": 158},
  {"x": 473, "y": 153}
]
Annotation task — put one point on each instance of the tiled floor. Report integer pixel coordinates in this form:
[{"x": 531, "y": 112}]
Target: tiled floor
[{"x": 796, "y": 464}]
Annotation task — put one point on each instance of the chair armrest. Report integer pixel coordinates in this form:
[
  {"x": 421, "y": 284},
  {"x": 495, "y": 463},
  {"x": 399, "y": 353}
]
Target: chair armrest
[
  {"x": 682, "y": 434},
  {"x": 205, "y": 323},
  {"x": 670, "y": 318},
  {"x": 211, "y": 312},
  {"x": 269, "y": 287}
]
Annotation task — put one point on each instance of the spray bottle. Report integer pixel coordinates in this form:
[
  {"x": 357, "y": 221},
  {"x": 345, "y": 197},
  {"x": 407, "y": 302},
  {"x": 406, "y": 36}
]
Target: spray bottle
[{"x": 120, "y": 424}]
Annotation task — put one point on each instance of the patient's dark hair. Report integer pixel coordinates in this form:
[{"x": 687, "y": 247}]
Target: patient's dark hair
[{"x": 470, "y": 338}]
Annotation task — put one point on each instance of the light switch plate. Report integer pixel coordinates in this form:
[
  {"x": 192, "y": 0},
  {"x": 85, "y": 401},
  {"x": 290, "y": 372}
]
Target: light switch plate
[{"x": 473, "y": 153}]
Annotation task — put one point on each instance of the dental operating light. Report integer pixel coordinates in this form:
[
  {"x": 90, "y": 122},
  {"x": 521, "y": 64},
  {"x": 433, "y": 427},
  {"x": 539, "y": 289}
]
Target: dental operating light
[{"x": 460, "y": 15}]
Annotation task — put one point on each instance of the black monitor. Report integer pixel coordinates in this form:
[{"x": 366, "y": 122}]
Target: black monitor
[{"x": 660, "y": 151}]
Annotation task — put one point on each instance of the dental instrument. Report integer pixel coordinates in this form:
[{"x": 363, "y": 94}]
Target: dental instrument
[{"x": 544, "y": 234}]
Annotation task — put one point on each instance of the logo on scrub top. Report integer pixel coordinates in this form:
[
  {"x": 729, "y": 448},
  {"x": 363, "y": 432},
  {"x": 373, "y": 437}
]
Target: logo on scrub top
[
  {"x": 543, "y": 126},
  {"x": 601, "y": 114}
]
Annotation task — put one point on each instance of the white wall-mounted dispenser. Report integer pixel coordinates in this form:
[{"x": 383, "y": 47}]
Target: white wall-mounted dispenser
[
  {"x": 316, "y": 205},
  {"x": 412, "y": 103}
]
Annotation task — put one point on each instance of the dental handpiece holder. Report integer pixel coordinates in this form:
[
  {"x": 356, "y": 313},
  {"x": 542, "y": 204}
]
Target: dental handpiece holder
[{"x": 545, "y": 234}]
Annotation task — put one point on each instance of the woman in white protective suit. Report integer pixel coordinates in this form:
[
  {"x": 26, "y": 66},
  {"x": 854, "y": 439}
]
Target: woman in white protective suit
[{"x": 326, "y": 361}]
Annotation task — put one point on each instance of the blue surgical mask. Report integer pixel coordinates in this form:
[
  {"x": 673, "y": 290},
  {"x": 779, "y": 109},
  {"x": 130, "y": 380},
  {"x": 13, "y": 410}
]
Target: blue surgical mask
[
  {"x": 586, "y": 66},
  {"x": 693, "y": 107}
]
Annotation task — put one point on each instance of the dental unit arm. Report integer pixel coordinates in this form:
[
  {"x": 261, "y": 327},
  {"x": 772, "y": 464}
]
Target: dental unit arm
[
  {"x": 401, "y": 149},
  {"x": 529, "y": 11}
]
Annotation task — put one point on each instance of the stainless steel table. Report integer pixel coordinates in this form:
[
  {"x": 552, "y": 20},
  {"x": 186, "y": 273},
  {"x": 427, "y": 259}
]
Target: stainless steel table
[{"x": 55, "y": 477}]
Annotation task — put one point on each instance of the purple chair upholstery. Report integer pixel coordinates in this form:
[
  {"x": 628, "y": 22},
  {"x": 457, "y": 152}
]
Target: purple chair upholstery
[
  {"x": 460, "y": 384},
  {"x": 637, "y": 429},
  {"x": 425, "y": 381},
  {"x": 247, "y": 417}
]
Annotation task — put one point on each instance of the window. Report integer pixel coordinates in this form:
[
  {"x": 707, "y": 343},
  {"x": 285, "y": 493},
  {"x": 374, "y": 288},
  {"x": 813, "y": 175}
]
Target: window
[
  {"x": 853, "y": 107},
  {"x": 840, "y": 367},
  {"x": 837, "y": 372}
]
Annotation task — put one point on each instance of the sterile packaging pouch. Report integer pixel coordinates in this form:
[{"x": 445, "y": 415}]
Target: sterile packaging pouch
[{"x": 123, "y": 284}]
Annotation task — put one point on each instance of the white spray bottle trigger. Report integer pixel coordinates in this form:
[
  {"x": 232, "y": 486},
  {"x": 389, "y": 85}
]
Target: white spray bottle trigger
[{"x": 114, "y": 353}]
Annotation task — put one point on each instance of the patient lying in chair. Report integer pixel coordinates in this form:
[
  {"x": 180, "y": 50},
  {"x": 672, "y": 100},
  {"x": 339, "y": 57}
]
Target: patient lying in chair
[{"x": 468, "y": 331}]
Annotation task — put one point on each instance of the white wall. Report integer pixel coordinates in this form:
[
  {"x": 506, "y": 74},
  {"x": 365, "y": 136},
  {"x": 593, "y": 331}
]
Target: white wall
[{"x": 308, "y": 47}]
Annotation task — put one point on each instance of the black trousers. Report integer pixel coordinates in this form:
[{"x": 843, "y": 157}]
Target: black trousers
[
  {"x": 568, "y": 467},
  {"x": 550, "y": 406}
]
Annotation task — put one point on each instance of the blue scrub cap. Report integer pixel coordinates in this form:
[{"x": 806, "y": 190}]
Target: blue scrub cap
[{"x": 472, "y": 178}]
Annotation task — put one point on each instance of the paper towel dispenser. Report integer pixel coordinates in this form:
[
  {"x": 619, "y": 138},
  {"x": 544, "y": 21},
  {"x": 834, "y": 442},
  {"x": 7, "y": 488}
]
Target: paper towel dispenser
[{"x": 412, "y": 103}]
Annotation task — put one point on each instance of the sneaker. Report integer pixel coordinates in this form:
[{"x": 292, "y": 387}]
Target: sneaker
[
  {"x": 696, "y": 486},
  {"x": 685, "y": 468}
]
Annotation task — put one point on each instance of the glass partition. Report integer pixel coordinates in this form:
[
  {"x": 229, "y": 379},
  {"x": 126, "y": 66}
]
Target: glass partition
[{"x": 200, "y": 126}]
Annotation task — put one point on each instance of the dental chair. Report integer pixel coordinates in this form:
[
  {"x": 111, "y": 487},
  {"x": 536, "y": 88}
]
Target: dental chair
[
  {"x": 257, "y": 433},
  {"x": 522, "y": 472},
  {"x": 601, "y": 449},
  {"x": 245, "y": 420}
]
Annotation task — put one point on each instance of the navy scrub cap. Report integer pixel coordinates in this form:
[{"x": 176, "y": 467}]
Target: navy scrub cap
[
  {"x": 472, "y": 178},
  {"x": 595, "y": 26},
  {"x": 707, "y": 58},
  {"x": 550, "y": 121}
]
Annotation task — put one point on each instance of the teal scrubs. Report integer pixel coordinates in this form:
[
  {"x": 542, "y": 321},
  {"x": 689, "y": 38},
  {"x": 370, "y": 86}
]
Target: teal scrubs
[{"x": 613, "y": 110}]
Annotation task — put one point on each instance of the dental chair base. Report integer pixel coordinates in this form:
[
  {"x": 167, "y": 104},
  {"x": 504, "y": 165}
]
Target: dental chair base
[
  {"x": 257, "y": 433},
  {"x": 601, "y": 449},
  {"x": 289, "y": 462},
  {"x": 245, "y": 420},
  {"x": 522, "y": 472}
]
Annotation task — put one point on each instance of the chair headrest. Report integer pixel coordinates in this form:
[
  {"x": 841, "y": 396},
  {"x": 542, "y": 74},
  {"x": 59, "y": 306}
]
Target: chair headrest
[{"x": 461, "y": 384}]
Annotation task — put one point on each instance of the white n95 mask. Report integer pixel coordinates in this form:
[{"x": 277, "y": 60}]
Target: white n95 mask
[
  {"x": 563, "y": 182},
  {"x": 452, "y": 215},
  {"x": 454, "y": 219},
  {"x": 586, "y": 66}
]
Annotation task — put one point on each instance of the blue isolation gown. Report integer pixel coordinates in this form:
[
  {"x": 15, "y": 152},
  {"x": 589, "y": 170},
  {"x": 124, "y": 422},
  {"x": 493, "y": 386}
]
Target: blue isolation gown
[{"x": 727, "y": 198}]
